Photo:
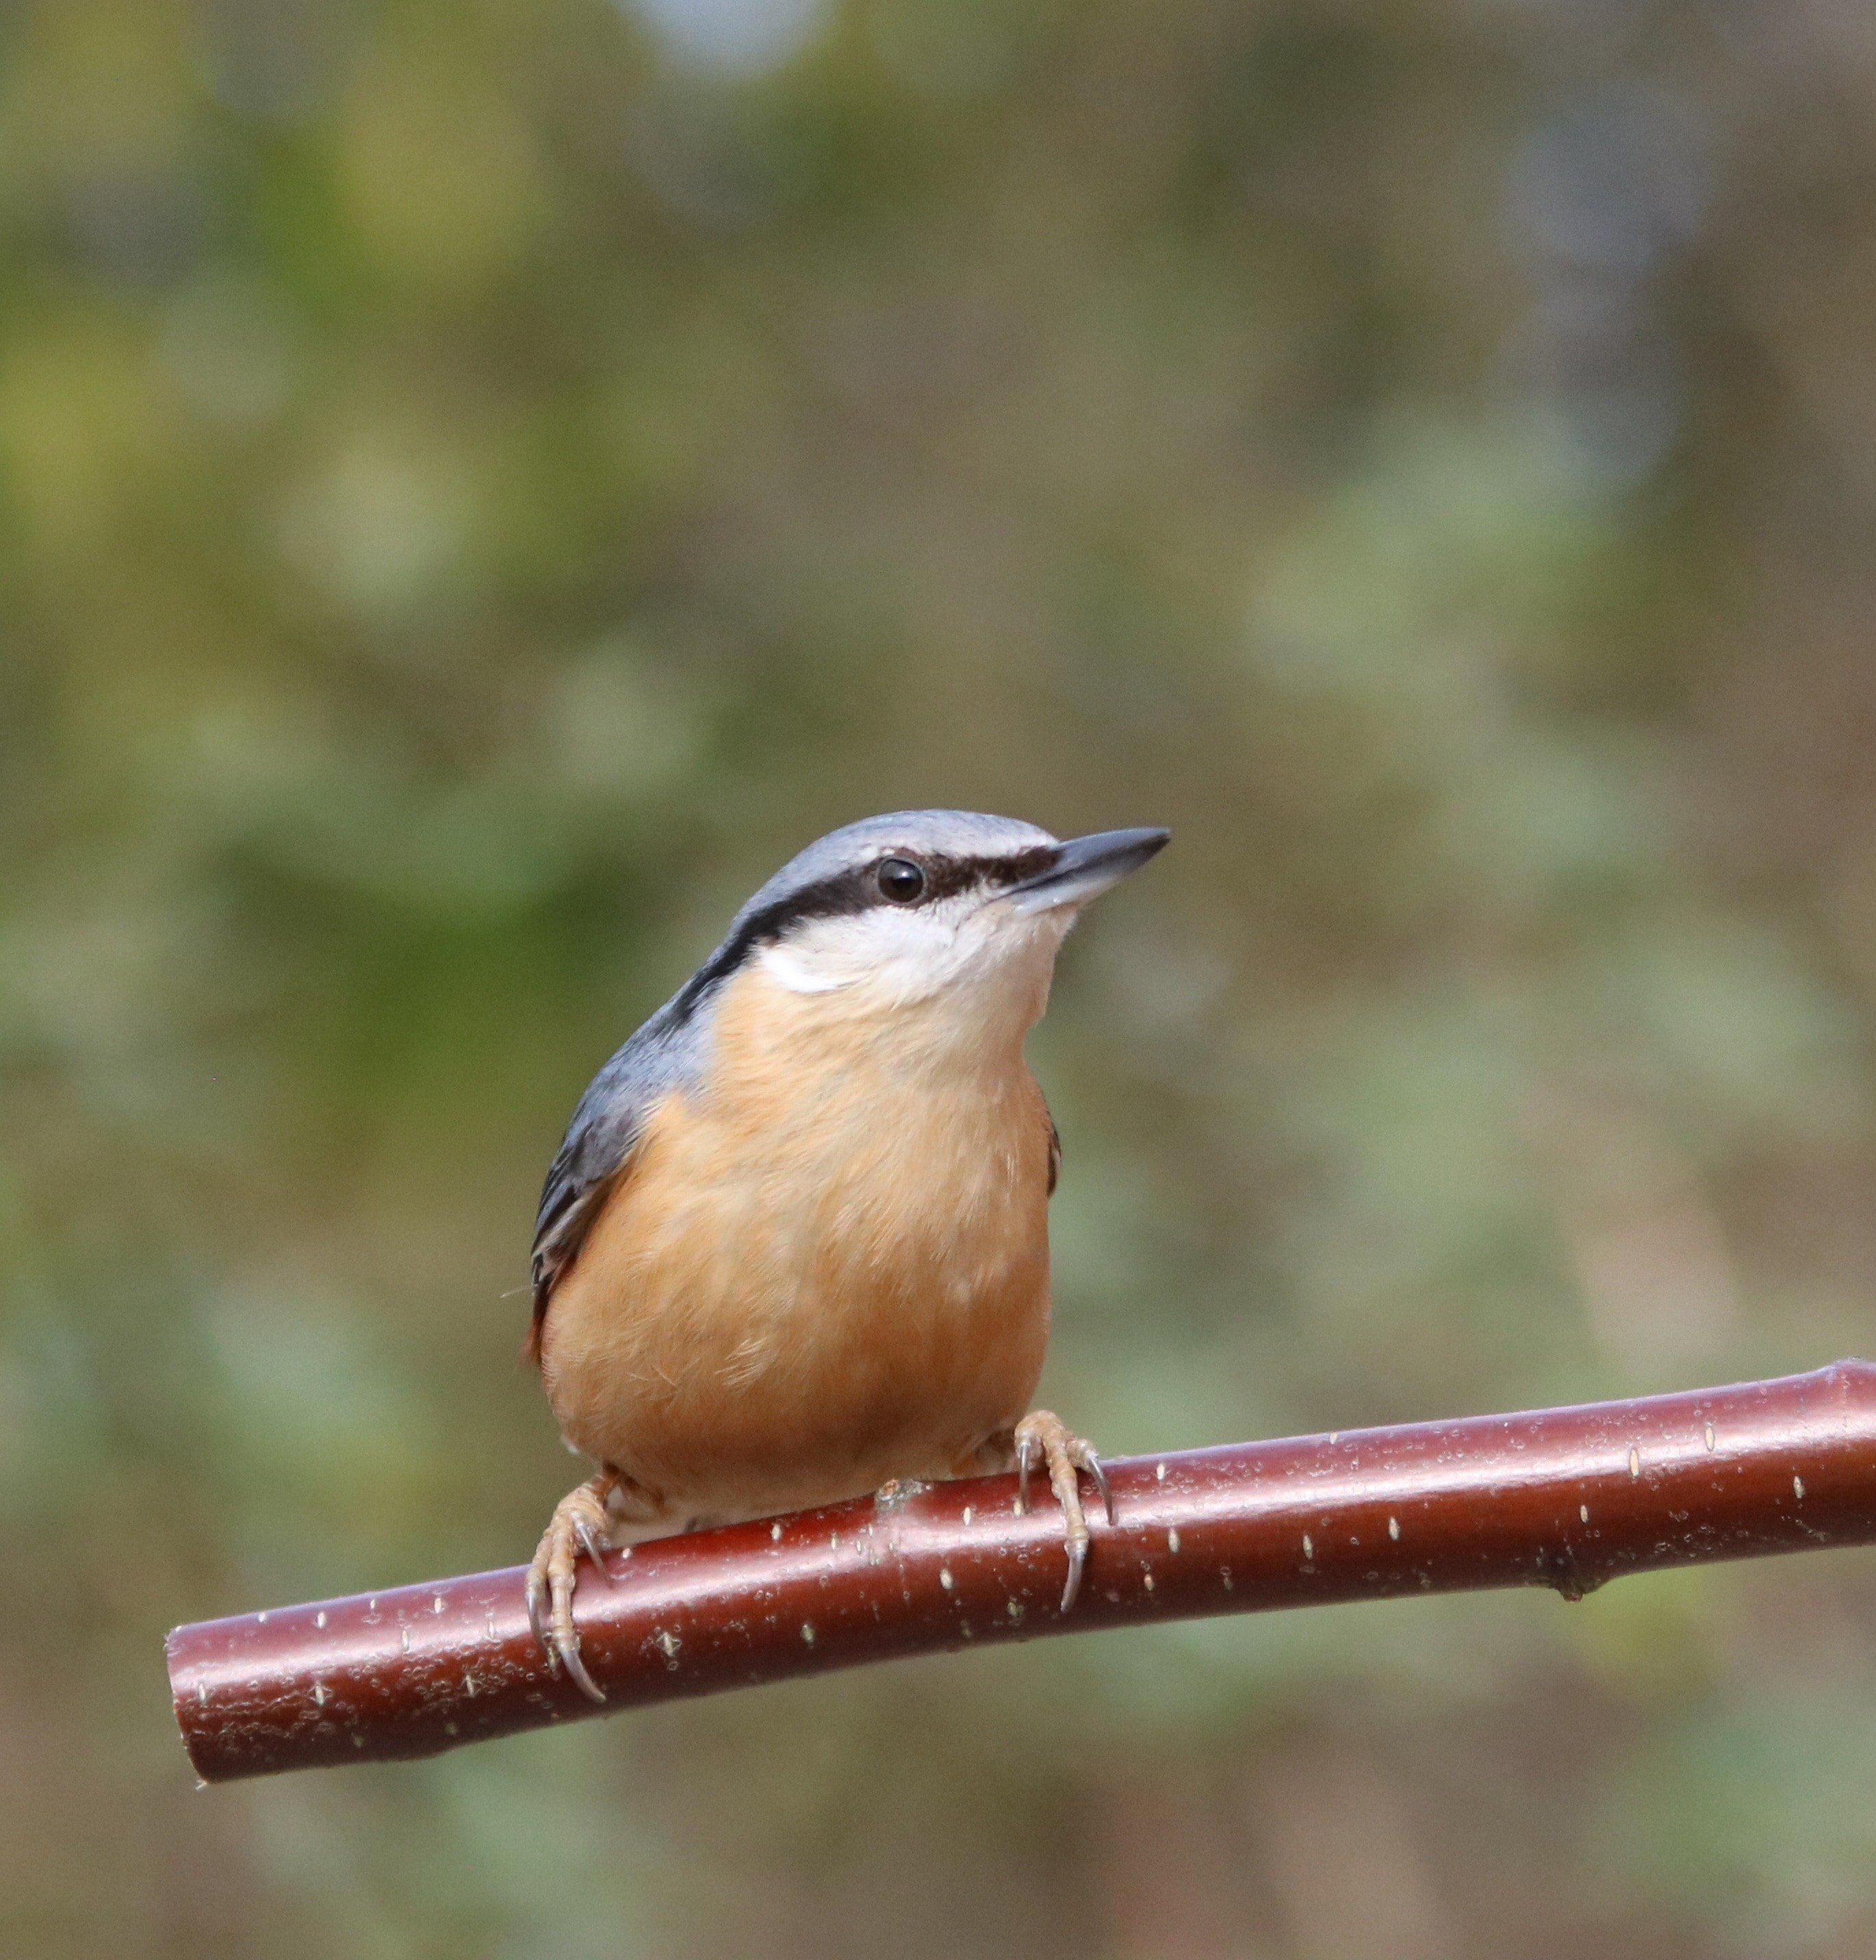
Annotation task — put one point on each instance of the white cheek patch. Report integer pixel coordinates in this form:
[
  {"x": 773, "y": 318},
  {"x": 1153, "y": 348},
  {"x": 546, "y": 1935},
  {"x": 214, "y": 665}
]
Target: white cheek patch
[
  {"x": 796, "y": 968},
  {"x": 987, "y": 956},
  {"x": 909, "y": 953},
  {"x": 882, "y": 946}
]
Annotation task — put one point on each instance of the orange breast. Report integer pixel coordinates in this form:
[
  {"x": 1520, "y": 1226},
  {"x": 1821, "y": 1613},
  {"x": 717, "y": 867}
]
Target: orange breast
[{"x": 828, "y": 1268}]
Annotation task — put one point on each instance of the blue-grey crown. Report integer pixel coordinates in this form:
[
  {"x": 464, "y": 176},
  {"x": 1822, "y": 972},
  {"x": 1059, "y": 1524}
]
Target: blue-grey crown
[{"x": 961, "y": 835}]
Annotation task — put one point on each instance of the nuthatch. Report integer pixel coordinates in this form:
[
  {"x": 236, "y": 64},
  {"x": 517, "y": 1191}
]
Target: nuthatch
[{"x": 795, "y": 1245}]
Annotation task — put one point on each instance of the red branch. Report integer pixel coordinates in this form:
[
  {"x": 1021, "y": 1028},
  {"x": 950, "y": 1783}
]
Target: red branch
[{"x": 1565, "y": 1498}]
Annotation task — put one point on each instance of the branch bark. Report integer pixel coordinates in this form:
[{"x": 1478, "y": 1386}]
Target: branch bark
[{"x": 1566, "y": 1498}]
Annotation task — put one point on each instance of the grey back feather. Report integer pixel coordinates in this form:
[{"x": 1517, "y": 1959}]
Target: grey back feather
[{"x": 664, "y": 1054}]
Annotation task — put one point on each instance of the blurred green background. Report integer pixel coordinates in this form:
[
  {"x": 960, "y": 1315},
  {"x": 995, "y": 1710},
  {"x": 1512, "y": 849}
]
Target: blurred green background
[{"x": 481, "y": 484}]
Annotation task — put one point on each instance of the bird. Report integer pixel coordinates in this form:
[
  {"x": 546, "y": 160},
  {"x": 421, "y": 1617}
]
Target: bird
[{"x": 794, "y": 1246}]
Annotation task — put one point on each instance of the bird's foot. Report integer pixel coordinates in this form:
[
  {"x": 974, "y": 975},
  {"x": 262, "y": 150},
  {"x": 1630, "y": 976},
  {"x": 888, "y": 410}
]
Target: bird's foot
[
  {"x": 579, "y": 1524},
  {"x": 1043, "y": 1438}
]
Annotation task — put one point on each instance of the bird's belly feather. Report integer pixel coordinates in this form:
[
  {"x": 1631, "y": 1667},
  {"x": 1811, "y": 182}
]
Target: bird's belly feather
[{"x": 789, "y": 1300}]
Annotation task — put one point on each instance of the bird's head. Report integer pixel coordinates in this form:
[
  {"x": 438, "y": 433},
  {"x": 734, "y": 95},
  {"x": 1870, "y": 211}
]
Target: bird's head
[{"x": 929, "y": 905}]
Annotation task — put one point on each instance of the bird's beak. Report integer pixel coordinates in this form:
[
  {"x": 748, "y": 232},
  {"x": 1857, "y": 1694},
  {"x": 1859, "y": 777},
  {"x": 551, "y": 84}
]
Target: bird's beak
[{"x": 1085, "y": 867}]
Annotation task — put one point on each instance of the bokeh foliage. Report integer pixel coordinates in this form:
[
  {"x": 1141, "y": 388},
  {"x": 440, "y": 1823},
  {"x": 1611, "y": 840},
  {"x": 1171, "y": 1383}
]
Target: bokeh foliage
[{"x": 481, "y": 483}]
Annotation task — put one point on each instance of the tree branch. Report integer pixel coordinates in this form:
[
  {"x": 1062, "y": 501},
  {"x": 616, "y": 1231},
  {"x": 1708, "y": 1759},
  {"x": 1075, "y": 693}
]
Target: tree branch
[{"x": 1567, "y": 1498}]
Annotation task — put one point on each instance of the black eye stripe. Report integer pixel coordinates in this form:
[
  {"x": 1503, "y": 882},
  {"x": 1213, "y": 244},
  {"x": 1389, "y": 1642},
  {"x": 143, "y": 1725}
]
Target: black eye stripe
[
  {"x": 946, "y": 876},
  {"x": 1014, "y": 866},
  {"x": 856, "y": 889}
]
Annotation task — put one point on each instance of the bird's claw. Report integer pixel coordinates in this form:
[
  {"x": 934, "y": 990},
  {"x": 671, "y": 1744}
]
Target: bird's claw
[
  {"x": 536, "y": 1593},
  {"x": 1097, "y": 1470},
  {"x": 1042, "y": 1437},
  {"x": 593, "y": 1543},
  {"x": 579, "y": 1524}
]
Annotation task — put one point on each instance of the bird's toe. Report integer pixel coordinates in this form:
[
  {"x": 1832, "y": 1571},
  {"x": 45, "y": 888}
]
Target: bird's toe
[
  {"x": 1042, "y": 1437},
  {"x": 579, "y": 1524}
]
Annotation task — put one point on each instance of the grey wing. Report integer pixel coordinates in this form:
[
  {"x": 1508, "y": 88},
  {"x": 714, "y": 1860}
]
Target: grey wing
[{"x": 597, "y": 1151}]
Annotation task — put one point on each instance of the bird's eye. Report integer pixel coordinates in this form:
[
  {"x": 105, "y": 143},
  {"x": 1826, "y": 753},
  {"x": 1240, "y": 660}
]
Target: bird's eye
[{"x": 900, "y": 880}]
